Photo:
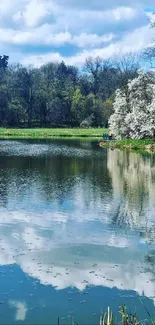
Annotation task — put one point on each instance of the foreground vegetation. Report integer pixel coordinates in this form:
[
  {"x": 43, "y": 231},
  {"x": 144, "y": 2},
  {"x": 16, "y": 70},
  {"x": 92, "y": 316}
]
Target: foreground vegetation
[
  {"x": 108, "y": 318},
  {"x": 6, "y": 133},
  {"x": 126, "y": 318}
]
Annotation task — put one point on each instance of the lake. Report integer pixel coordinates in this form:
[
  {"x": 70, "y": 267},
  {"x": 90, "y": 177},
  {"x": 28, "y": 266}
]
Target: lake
[{"x": 77, "y": 232}]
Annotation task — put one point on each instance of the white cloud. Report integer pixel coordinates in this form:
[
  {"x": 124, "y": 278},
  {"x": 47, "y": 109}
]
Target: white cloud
[
  {"x": 40, "y": 36},
  {"x": 106, "y": 21},
  {"x": 135, "y": 41},
  {"x": 43, "y": 242},
  {"x": 6, "y": 6},
  {"x": 32, "y": 14},
  {"x": 46, "y": 258},
  {"x": 40, "y": 60},
  {"x": 21, "y": 309},
  {"x": 91, "y": 40},
  {"x": 29, "y": 28},
  {"x": 43, "y": 36}
]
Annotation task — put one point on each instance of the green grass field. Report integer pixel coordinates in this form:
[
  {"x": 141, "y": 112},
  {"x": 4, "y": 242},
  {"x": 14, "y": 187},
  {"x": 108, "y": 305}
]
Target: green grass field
[
  {"x": 6, "y": 133},
  {"x": 135, "y": 143}
]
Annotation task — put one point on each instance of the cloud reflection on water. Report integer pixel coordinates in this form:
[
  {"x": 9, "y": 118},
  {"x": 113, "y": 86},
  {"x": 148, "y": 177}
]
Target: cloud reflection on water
[{"x": 99, "y": 233}]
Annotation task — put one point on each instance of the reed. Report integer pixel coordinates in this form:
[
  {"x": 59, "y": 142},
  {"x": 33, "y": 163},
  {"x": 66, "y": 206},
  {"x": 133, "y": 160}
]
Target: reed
[{"x": 126, "y": 318}]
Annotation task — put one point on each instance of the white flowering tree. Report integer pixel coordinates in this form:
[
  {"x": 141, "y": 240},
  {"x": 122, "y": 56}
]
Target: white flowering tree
[
  {"x": 134, "y": 109},
  {"x": 117, "y": 120}
]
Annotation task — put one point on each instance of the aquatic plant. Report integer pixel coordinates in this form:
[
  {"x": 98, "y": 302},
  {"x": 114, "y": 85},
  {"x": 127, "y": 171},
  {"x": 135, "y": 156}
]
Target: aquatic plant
[{"x": 126, "y": 318}]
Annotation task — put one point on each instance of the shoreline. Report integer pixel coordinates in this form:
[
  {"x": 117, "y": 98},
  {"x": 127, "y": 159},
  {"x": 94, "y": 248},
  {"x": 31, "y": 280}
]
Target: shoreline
[
  {"x": 89, "y": 134},
  {"x": 129, "y": 144}
]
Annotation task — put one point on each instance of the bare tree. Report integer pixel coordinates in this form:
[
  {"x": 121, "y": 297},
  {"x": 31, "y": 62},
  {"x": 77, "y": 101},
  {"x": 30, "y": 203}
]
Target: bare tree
[
  {"x": 127, "y": 66},
  {"x": 149, "y": 56},
  {"x": 95, "y": 66},
  {"x": 149, "y": 52}
]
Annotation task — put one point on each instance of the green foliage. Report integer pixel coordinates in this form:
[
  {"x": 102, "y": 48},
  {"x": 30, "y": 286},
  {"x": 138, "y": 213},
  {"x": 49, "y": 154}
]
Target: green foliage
[
  {"x": 78, "y": 107},
  {"x": 88, "y": 122},
  {"x": 57, "y": 94},
  {"x": 16, "y": 113},
  {"x": 4, "y": 61}
]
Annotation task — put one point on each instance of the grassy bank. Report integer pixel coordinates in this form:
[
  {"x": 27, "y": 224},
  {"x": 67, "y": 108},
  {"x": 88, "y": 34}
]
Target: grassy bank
[
  {"x": 142, "y": 145},
  {"x": 51, "y": 133}
]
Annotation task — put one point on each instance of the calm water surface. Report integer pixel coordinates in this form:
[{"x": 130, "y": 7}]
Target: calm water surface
[{"x": 77, "y": 232}]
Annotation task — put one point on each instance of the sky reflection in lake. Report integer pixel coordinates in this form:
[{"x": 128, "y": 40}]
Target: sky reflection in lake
[{"x": 77, "y": 231}]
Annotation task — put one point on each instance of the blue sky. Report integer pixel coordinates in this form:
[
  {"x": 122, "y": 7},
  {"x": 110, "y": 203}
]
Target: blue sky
[{"x": 38, "y": 31}]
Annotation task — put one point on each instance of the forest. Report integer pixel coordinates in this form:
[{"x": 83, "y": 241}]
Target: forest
[{"x": 60, "y": 95}]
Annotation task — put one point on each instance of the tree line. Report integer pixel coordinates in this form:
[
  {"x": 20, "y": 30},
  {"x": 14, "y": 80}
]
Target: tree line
[{"x": 60, "y": 95}]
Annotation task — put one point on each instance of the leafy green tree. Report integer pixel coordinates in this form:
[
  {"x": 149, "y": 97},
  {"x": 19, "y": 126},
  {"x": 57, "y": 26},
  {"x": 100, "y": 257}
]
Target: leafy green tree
[
  {"x": 16, "y": 113},
  {"x": 78, "y": 107},
  {"x": 107, "y": 110},
  {"x": 4, "y": 100},
  {"x": 4, "y": 61}
]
